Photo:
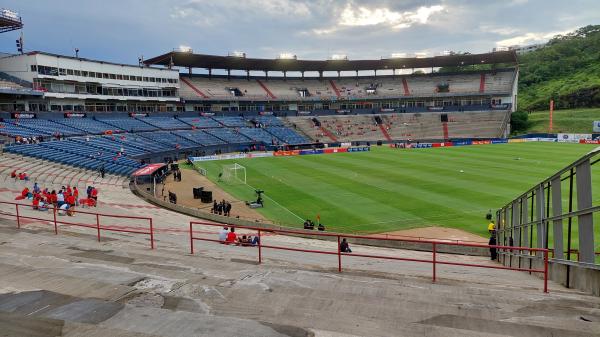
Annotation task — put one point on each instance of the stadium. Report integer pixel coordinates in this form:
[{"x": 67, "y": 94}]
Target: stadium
[{"x": 224, "y": 195}]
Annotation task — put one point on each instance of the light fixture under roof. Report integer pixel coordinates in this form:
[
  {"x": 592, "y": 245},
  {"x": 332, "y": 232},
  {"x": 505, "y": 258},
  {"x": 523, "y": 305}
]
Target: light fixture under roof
[
  {"x": 287, "y": 56},
  {"x": 238, "y": 54},
  {"x": 339, "y": 57}
]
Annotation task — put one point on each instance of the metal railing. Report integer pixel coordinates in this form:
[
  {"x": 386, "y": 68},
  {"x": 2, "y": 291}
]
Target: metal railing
[
  {"x": 96, "y": 224},
  {"x": 537, "y": 218},
  {"x": 434, "y": 248}
]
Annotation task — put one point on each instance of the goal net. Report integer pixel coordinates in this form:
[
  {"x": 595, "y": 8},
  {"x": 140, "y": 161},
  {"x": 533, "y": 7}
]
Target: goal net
[{"x": 234, "y": 174}]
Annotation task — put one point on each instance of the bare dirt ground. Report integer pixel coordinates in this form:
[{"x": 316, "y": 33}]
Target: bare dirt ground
[
  {"x": 439, "y": 233},
  {"x": 191, "y": 179}
]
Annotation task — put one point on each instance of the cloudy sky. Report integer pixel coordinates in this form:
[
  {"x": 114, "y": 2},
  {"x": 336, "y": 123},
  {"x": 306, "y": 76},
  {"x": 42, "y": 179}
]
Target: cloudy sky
[{"x": 122, "y": 30}]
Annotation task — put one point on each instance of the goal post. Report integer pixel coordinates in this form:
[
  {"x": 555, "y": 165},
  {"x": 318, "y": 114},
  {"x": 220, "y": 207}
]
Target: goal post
[{"x": 234, "y": 174}]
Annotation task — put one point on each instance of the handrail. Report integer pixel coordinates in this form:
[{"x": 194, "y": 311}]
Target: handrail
[
  {"x": 125, "y": 229},
  {"x": 434, "y": 244}
]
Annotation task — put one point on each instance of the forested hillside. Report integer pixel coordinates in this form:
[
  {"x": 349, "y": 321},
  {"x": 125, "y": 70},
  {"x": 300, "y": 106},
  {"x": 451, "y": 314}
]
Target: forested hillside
[{"x": 566, "y": 70}]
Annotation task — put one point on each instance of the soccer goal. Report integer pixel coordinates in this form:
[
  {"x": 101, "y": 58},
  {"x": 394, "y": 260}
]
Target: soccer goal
[{"x": 234, "y": 174}]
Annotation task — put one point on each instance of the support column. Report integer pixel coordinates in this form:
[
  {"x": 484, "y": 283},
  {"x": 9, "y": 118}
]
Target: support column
[
  {"x": 540, "y": 216},
  {"x": 585, "y": 222},
  {"x": 557, "y": 225},
  {"x": 524, "y": 219}
]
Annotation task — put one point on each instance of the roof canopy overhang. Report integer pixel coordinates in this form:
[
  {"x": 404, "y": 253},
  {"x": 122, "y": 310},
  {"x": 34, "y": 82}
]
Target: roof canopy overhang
[
  {"x": 190, "y": 60},
  {"x": 148, "y": 170}
]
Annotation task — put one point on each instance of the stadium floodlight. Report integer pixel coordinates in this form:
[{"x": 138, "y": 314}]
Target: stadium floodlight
[
  {"x": 185, "y": 49},
  {"x": 339, "y": 57},
  {"x": 287, "y": 56},
  {"x": 234, "y": 174},
  {"x": 240, "y": 54}
]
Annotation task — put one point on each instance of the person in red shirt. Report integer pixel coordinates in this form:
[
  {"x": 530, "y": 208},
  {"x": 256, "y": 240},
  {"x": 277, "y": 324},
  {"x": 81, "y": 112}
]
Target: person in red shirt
[
  {"x": 231, "y": 236},
  {"x": 94, "y": 196},
  {"x": 36, "y": 202},
  {"x": 70, "y": 199},
  {"x": 53, "y": 199},
  {"x": 25, "y": 192},
  {"x": 13, "y": 174},
  {"x": 76, "y": 195}
]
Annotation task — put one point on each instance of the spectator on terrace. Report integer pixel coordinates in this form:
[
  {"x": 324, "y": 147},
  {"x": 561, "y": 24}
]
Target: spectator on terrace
[
  {"x": 94, "y": 196},
  {"x": 53, "y": 199},
  {"x": 76, "y": 195},
  {"x": 36, "y": 188},
  {"x": 344, "y": 247},
  {"x": 491, "y": 227},
  {"x": 102, "y": 171},
  {"x": 214, "y": 208},
  {"x": 231, "y": 236},
  {"x": 321, "y": 227},
  {"x": 60, "y": 198},
  {"x": 492, "y": 242},
  {"x": 223, "y": 234},
  {"x": 227, "y": 208},
  {"x": 255, "y": 240},
  {"x": 25, "y": 192},
  {"x": 13, "y": 174},
  {"x": 63, "y": 209}
]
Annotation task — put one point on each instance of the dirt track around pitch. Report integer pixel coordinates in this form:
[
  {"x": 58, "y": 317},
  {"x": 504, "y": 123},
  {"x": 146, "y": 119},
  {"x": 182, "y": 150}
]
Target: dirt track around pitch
[{"x": 191, "y": 179}]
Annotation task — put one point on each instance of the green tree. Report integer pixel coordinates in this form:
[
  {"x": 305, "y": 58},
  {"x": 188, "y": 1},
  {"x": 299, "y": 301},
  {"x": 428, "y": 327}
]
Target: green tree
[{"x": 519, "y": 121}]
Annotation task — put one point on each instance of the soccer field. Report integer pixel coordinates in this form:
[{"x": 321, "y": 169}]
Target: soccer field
[{"x": 391, "y": 189}]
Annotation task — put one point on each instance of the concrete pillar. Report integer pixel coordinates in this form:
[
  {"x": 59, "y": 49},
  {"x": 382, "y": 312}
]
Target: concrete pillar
[
  {"x": 557, "y": 225},
  {"x": 585, "y": 222}
]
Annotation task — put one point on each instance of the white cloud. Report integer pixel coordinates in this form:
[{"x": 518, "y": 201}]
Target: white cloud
[
  {"x": 529, "y": 38},
  {"x": 209, "y": 12},
  {"x": 365, "y": 16}
]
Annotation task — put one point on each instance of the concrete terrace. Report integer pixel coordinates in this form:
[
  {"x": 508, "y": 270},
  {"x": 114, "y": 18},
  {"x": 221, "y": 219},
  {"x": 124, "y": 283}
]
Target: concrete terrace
[{"x": 71, "y": 285}]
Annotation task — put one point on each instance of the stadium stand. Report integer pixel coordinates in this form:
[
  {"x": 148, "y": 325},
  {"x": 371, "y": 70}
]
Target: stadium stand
[
  {"x": 312, "y": 89},
  {"x": 199, "y": 136},
  {"x": 286, "y": 135},
  {"x": 259, "y": 135},
  {"x": 165, "y": 123},
  {"x": 200, "y": 122},
  {"x": 231, "y": 121},
  {"x": 229, "y": 135},
  {"x": 87, "y": 125},
  {"x": 129, "y": 124}
]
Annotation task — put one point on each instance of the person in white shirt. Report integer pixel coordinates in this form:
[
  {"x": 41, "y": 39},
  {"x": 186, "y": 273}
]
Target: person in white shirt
[
  {"x": 60, "y": 198},
  {"x": 223, "y": 234}
]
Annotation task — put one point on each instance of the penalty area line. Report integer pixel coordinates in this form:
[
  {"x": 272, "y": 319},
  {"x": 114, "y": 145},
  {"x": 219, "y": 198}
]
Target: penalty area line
[{"x": 280, "y": 205}]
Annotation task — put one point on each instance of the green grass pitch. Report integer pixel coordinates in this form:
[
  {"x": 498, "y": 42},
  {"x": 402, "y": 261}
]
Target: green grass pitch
[{"x": 391, "y": 189}]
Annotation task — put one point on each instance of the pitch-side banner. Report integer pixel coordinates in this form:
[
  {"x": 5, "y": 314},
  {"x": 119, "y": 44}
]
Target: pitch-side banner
[{"x": 572, "y": 137}]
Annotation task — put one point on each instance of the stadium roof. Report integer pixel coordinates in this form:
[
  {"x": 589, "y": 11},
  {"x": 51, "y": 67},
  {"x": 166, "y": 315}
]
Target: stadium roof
[
  {"x": 187, "y": 59},
  {"x": 9, "y": 20}
]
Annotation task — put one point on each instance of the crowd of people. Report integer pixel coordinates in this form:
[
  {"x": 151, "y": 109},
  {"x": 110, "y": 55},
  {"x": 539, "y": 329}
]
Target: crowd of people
[
  {"x": 19, "y": 175},
  {"x": 228, "y": 236},
  {"x": 221, "y": 208},
  {"x": 309, "y": 224},
  {"x": 64, "y": 200}
]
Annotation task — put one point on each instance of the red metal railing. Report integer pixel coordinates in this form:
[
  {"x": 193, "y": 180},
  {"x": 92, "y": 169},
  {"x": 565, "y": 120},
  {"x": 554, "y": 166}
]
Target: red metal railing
[
  {"x": 434, "y": 248},
  {"x": 55, "y": 221}
]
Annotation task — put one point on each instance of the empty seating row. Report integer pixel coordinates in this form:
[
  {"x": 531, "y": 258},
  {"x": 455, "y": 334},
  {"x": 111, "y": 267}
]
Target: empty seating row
[{"x": 286, "y": 135}]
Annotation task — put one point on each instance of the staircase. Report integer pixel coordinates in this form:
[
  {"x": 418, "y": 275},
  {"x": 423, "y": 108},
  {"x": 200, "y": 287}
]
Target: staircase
[
  {"x": 328, "y": 133},
  {"x": 335, "y": 88},
  {"x": 405, "y": 86},
  {"x": 482, "y": 83},
  {"x": 385, "y": 133},
  {"x": 196, "y": 90},
  {"x": 269, "y": 93}
]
